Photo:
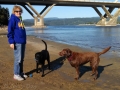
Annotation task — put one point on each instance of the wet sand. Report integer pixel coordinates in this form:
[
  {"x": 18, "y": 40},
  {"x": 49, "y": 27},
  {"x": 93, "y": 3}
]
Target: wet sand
[{"x": 61, "y": 77}]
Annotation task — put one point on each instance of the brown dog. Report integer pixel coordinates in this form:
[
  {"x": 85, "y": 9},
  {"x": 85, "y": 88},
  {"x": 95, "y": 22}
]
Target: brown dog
[{"x": 77, "y": 59}]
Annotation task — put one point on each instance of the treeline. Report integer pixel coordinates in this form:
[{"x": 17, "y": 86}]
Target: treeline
[
  {"x": 4, "y": 16},
  {"x": 64, "y": 21},
  {"x": 72, "y": 21}
]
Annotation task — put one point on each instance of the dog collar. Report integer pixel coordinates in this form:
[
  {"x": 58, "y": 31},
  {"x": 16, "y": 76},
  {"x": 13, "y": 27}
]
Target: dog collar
[{"x": 69, "y": 58}]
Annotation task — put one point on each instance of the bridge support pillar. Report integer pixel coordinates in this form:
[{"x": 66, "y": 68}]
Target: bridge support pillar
[
  {"x": 28, "y": 11},
  {"x": 35, "y": 21},
  {"x": 107, "y": 19},
  {"x": 39, "y": 19},
  {"x": 102, "y": 22},
  {"x": 106, "y": 11},
  {"x": 113, "y": 20}
]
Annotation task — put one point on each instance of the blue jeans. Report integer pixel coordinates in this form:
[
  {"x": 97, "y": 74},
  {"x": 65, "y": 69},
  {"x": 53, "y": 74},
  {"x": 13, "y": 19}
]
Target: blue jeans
[{"x": 19, "y": 52}]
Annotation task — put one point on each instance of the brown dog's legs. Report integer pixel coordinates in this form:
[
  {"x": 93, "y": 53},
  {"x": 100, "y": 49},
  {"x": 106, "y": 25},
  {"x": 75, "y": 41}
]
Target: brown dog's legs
[
  {"x": 91, "y": 65},
  {"x": 94, "y": 71},
  {"x": 78, "y": 72},
  {"x": 94, "y": 66},
  {"x": 96, "y": 74}
]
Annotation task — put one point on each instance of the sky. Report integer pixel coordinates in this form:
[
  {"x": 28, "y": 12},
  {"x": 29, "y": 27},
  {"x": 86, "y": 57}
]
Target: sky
[{"x": 62, "y": 11}]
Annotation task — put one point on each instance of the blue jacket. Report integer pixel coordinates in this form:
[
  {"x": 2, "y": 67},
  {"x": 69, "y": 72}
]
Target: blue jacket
[{"x": 16, "y": 31}]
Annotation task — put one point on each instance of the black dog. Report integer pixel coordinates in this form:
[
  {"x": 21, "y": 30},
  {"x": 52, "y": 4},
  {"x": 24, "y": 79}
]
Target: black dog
[{"x": 41, "y": 57}]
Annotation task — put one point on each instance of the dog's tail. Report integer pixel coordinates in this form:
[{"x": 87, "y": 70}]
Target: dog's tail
[
  {"x": 45, "y": 44},
  {"x": 104, "y": 51}
]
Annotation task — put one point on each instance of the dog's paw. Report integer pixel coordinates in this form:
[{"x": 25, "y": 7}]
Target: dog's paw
[
  {"x": 91, "y": 74},
  {"x": 76, "y": 78},
  {"x": 37, "y": 72},
  {"x": 94, "y": 78},
  {"x": 42, "y": 75}
]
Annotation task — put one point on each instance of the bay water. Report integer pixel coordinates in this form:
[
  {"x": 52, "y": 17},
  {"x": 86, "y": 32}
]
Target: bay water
[{"x": 85, "y": 36}]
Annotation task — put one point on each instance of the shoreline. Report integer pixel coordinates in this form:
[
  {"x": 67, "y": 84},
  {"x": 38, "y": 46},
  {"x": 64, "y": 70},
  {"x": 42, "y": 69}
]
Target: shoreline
[
  {"x": 89, "y": 44},
  {"x": 110, "y": 53},
  {"x": 62, "y": 74}
]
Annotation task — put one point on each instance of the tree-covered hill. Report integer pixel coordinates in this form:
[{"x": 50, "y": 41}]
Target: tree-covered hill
[
  {"x": 4, "y": 16},
  {"x": 65, "y": 21}
]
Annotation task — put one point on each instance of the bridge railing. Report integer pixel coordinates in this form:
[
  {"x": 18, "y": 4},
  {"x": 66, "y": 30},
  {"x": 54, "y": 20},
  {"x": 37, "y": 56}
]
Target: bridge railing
[{"x": 115, "y": 1}]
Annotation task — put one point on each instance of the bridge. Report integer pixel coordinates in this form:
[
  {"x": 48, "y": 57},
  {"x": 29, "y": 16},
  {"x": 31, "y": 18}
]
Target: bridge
[{"x": 105, "y": 20}]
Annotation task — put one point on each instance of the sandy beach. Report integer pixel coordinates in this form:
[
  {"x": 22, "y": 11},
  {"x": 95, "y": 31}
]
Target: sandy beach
[{"x": 61, "y": 77}]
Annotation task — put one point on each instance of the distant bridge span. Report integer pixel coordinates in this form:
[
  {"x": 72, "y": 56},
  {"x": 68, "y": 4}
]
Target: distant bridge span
[
  {"x": 104, "y": 4},
  {"x": 88, "y": 3}
]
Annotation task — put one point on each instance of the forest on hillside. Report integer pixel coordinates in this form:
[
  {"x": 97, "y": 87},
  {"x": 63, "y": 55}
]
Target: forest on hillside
[
  {"x": 4, "y": 16},
  {"x": 66, "y": 21}
]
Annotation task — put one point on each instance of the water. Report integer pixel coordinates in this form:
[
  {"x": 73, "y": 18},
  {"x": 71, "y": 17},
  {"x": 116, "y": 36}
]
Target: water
[{"x": 82, "y": 36}]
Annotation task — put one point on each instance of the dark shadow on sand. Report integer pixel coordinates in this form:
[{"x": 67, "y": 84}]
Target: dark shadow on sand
[
  {"x": 54, "y": 65},
  {"x": 84, "y": 69}
]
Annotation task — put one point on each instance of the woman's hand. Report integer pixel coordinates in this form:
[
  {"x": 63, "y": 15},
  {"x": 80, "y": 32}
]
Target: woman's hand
[{"x": 12, "y": 46}]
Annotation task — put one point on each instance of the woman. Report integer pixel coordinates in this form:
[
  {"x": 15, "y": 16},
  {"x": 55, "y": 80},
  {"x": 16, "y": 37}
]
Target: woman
[{"x": 17, "y": 40}]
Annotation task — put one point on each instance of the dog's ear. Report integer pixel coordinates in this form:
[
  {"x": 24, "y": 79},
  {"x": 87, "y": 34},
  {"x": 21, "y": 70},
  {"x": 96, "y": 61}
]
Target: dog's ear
[{"x": 69, "y": 52}]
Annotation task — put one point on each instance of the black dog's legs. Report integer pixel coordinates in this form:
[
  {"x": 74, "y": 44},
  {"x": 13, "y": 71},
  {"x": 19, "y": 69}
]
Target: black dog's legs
[
  {"x": 37, "y": 67},
  {"x": 48, "y": 60},
  {"x": 42, "y": 70}
]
